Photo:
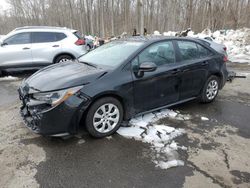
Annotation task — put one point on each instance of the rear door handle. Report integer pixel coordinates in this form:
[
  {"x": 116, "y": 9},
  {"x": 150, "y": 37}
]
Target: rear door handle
[
  {"x": 26, "y": 48},
  {"x": 55, "y": 46},
  {"x": 175, "y": 71},
  {"x": 185, "y": 70},
  {"x": 204, "y": 63}
]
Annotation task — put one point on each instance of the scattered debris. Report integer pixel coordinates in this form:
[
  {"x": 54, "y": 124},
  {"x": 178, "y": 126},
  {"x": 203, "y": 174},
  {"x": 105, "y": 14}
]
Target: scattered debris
[
  {"x": 81, "y": 141},
  {"x": 232, "y": 75},
  {"x": 146, "y": 129}
]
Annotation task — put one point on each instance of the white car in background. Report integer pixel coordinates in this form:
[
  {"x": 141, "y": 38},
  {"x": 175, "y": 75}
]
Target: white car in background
[{"x": 33, "y": 47}]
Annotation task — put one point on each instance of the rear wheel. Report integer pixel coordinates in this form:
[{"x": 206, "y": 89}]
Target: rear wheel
[
  {"x": 104, "y": 117},
  {"x": 63, "y": 58},
  {"x": 210, "y": 90}
]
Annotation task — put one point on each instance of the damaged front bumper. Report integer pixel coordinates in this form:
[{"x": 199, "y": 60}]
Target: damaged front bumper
[{"x": 43, "y": 119}]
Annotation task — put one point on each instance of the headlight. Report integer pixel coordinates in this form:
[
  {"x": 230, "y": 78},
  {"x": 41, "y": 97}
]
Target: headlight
[{"x": 56, "y": 97}]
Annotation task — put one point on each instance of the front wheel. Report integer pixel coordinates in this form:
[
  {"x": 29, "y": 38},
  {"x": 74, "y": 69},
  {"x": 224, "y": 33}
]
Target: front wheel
[
  {"x": 104, "y": 117},
  {"x": 210, "y": 90}
]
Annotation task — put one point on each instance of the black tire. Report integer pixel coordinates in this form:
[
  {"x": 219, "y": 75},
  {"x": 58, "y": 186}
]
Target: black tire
[
  {"x": 95, "y": 107},
  {"x": 205, "y": 94},
  {"x": 63, "y": 58}
]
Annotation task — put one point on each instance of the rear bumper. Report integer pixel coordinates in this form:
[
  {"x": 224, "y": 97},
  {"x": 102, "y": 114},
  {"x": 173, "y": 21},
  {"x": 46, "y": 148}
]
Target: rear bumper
[
  {"x": 79, "y": 51},
  {"x": 224, "y": 75},
  {"x": 60, "y": 120}
]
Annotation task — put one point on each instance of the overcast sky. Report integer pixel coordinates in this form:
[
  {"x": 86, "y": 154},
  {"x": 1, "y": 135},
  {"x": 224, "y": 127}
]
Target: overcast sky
[{"x": 4, "y": 5}]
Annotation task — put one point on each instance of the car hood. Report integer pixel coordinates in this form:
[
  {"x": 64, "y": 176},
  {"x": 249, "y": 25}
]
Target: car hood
[{"x": 63, "y": 75}]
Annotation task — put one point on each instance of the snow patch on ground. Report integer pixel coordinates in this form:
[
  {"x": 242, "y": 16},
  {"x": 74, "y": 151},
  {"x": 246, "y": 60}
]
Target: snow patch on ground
[
  {"x": 204, "y": 119},
  {"x": 161, "y": 137},
  {"x": 170, "y": 33},
  {"x": 169, "y": 164},
  {"x": 236, "y": 41},
  {"x": 156, "y": 33},
  {"x": 243, "y": 74},
  {"x": 9, "y": 78}
]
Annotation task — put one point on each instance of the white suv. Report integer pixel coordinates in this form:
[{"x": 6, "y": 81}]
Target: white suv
[{"x": 38, "y": 46}]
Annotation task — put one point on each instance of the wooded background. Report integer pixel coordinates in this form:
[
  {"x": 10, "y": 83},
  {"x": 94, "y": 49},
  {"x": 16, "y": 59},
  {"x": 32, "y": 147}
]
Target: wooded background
[{"x": 113, "y": 17}]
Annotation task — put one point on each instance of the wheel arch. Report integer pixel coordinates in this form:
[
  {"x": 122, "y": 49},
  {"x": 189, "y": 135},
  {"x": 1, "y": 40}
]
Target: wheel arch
[
  {"x": 63, "y": 53},
  {"x": 96, "y": 98},
  {"x": 218, "y": 75}
]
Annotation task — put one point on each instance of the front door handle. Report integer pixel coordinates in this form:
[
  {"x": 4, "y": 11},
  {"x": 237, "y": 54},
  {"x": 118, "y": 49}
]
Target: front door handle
[
  {"x": 26, "y": 48},
  {"x": 55, "y": 46},
  {"x": 175, "y": 71}
]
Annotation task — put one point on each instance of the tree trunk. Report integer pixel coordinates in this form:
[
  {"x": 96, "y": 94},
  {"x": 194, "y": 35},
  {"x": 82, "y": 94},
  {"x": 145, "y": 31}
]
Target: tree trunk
[{"x": 112, "y": 18}]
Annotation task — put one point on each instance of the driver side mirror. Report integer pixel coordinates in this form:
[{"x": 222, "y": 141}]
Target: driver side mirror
[
  {"x": 2, "y": 43},
  {"x": 146, "y": 67}
]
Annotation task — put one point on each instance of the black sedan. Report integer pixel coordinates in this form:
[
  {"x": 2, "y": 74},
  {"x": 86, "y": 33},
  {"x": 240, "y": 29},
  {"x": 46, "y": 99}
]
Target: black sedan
[{"x": 111, "y": 84}]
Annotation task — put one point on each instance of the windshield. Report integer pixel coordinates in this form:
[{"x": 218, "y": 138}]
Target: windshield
[{"x": 111, "y": 54}]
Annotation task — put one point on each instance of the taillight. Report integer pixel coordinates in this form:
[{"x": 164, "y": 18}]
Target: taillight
[
  {"x": 80, "y": 42},
  {"x": 225, "y": 59},
  {"x": 225, "y": 48}
]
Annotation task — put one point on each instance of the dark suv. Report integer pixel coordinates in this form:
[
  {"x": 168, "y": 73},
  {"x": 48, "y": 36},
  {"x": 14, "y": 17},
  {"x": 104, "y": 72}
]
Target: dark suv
[{"x": 121, "y": 79}]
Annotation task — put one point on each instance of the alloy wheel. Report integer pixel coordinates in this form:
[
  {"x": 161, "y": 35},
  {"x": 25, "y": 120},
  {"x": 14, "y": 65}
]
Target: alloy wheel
[
  {"x": 63, "y": 60},
  {"x": 212, "y": 89},
  {"x": 106, "y": 118}
]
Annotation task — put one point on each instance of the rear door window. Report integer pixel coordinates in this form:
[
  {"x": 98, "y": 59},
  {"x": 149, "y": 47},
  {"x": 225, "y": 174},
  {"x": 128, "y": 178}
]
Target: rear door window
[
  {"x": 188, "y": 50},
  {"x": 20, "y": 38},
  {"x": 43, "y": 37},
  {"x": 161, "y": 53}
]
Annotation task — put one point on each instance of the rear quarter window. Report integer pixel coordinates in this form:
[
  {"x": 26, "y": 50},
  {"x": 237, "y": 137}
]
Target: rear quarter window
[
  {"x": 204, "y": 42},
  {"x": 192, "y": 50},
  {"x": 204, "y": 52},
  {"x": 78, "y": 34}
]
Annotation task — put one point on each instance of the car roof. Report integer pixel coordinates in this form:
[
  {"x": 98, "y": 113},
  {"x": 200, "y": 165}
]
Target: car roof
[
  {"x": 43, "y": 28},
  {"x": 154, "y": 38}
]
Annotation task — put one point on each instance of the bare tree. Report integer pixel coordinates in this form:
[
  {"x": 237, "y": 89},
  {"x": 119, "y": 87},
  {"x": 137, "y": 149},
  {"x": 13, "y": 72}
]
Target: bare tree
[{"x": 112, "y": 17}]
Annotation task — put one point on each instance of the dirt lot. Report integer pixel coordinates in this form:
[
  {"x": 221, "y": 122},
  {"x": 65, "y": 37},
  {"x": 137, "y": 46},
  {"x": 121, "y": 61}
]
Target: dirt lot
[{"x": 217, "y": 139}]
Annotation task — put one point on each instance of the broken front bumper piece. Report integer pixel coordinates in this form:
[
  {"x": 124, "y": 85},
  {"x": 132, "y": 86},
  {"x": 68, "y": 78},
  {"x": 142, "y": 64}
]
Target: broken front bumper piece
[{"x": 43, "y": 119}]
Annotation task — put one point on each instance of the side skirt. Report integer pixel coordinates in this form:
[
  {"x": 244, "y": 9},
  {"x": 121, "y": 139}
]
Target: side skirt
[{"x": 166, "y": 106}]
